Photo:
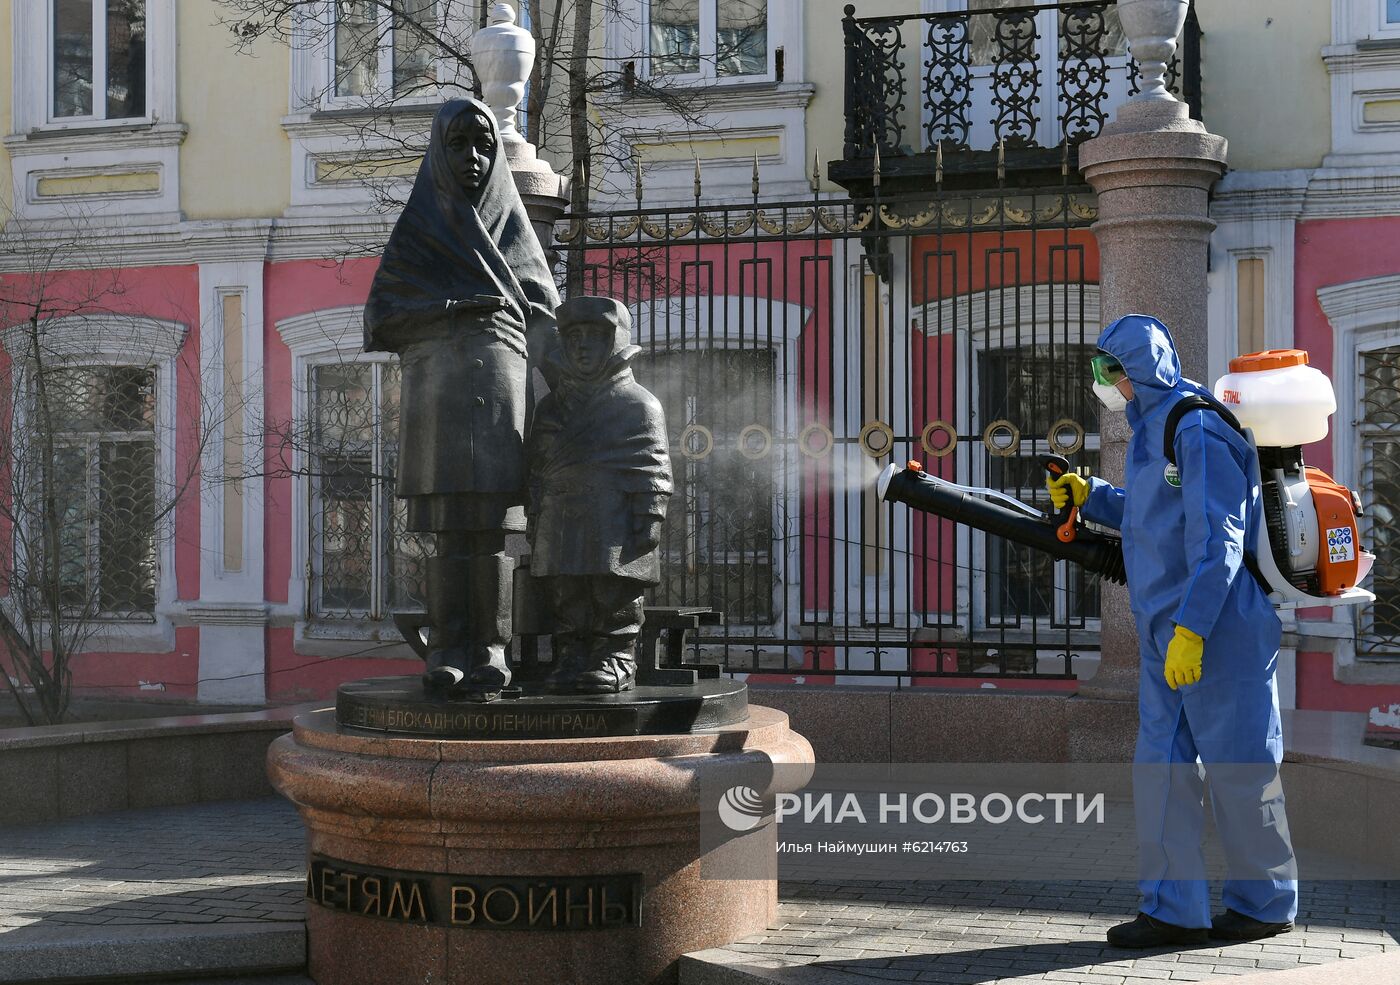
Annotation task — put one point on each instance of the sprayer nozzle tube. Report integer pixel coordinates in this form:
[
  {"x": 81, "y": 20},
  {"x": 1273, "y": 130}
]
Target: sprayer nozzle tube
[
  {"x": 883, "y": 483},
  {"x": 1094, "y": 551}
]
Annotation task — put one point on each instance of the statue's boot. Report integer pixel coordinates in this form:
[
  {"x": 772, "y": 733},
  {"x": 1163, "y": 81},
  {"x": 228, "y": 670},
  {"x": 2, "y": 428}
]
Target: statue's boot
[
  {"x": 447, "y": 660},
  {"x": 570, "y": 660},
  {"x": 612, "y": 666},
  {"x": 489, "y": 623}
]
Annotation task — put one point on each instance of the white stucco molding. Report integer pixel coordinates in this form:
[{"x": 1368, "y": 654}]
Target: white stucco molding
[
  {"x": 1364, "y": 315},
  {"x": 773, "y": 113},
  {"x": 1361, "y": 303},
  {"x": 43, "y": 148},
  {"x": 1256, "y": 215},
  {"x": 98, "y": 337},
  {"x": 225, "y": 613},
  {"x": 324, "y": 332},
  {"x": 1363, "y": 67},
  {"x": 326, "y": 335},
  {"x": 130, "y": 340},
  {"x": 117, "y": 242},
  {"x": 1042, "y": 305},
  {"x": 1256, "y": 195}
]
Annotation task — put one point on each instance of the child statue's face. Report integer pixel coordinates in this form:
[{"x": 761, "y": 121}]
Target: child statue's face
[
  {"x": 587, "y": 348},
  {"x": 471, "y": 143}
]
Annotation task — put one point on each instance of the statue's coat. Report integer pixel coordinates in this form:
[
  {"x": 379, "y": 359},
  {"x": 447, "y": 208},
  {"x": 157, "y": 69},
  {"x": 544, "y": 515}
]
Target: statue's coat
[
  {"x": 464, "y": 389},
  {"x": 599, "y": 458}
]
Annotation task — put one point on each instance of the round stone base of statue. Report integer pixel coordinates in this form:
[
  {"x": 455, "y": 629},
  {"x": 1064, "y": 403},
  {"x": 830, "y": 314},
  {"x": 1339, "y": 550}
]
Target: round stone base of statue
[
  {"x": 398, "y": 705},
  {"x": 587, "y": 860}
]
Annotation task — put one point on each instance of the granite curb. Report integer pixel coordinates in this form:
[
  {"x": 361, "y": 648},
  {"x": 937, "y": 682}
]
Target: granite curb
[
  {"x": 721, "y": 966},
  {"x": 101, "y": 954}
]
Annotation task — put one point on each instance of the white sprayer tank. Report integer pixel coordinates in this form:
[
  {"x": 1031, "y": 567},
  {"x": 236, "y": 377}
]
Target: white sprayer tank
[{"x": 1279, "y": 396}]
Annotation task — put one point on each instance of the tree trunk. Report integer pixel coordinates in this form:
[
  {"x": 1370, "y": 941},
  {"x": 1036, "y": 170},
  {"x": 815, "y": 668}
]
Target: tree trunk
[
  {"x": 52, "y": 691},
  {"x": 580, "y": 143}
]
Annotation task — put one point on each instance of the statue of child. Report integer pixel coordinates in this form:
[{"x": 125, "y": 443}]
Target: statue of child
[{"x": 600, "y": 477}]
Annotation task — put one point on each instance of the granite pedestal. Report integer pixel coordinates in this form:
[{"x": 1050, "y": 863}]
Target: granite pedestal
[{"x": 572, "y": 860}]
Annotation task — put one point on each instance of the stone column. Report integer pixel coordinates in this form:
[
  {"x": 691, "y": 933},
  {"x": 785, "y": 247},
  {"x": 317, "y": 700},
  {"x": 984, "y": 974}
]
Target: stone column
[
  {"x": 1152, "y": 169},
  {"x": 503, "y": 54}
]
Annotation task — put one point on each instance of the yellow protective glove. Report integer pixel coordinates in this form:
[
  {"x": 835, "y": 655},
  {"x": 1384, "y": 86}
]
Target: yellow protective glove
[
  {"x": 1183, "y": 665},
  {"x": 1066, "y": 487}
]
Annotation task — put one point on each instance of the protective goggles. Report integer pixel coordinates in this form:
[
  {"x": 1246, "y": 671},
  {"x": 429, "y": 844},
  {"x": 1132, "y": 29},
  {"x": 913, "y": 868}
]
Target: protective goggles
[{"x": 1107, "y": 370}]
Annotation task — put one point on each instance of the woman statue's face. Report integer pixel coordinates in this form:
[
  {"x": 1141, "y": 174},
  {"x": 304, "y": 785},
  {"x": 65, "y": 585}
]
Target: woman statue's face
[{"x": 471, "y": 143}]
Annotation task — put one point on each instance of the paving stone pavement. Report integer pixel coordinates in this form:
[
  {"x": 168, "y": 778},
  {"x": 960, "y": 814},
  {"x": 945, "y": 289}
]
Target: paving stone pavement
[
  {"x": 229, "y": 862},
  {"x": 977, "y": 933},
  {"x": 242, "y": 862}
]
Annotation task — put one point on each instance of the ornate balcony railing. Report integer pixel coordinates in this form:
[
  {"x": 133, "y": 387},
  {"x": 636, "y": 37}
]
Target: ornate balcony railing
[{"x": 990, "y": 89}]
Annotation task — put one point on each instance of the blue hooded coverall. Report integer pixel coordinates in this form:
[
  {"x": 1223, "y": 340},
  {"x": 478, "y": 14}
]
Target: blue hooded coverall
[{"x": 1184, "y": 546}]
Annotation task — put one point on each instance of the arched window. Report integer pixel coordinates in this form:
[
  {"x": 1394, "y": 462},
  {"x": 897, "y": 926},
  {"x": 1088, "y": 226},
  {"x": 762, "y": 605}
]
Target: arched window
[
  {"x": 353, "y": 560},
  {"x": 91, "y": 456}
]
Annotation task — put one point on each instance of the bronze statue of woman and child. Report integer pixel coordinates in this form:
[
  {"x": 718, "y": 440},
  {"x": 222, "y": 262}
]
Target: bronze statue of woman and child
[{"x": 466, "y": 298}]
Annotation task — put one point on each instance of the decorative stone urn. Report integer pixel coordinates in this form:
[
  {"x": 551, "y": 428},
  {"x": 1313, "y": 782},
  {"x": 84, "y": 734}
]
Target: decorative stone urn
[
  {"x": 1152, "y": 27},
  {"x": 503, "y": 54}
]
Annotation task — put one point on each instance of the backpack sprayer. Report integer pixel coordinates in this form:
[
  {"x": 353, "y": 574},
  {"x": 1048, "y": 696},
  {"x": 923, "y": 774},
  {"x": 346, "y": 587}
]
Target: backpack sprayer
[{"x": 1278, "y": 403}]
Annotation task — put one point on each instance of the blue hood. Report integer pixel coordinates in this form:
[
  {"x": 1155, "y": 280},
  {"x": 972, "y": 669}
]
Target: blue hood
[{"x": 1145, "y": 348}]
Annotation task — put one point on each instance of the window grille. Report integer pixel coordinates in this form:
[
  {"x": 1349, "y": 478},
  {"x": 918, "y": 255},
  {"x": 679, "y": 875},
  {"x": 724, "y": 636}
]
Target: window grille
[
  {"x": 1379, "y": 630},
  {"x": 717, "y": 547},
  {"x": 104, "y": 483},
  {"x": 1038, "y": 385},
  {"x": 364, "y": 562}
]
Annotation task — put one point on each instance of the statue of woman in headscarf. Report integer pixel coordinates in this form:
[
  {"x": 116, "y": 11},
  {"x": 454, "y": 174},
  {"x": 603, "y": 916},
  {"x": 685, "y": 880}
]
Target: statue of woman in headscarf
[{"x": 465, "y": 297}]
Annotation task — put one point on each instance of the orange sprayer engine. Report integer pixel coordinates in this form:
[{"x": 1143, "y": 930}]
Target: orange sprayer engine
[{"x": 1314, "y": 554}]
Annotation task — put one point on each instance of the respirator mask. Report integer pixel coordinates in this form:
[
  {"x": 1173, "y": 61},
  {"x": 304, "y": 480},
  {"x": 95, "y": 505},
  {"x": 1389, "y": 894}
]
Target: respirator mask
[{"x": 1107, "y": 372}]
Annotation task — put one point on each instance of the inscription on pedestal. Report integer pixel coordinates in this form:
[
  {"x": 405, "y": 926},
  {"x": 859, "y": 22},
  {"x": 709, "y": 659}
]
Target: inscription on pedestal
[
  {"x": 557, "y": 903},
  {"x": 493, "y": 722},
  {"x": 398, "y": 706}
]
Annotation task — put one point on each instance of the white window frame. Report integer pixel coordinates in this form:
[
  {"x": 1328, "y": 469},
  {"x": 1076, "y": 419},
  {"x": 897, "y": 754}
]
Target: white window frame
[
  {"x": 81, "y": 340},
  {"x": 33, "y": 64},
  {"x": 676, "y": 323},
  {"x": 378, "y": 560},
  {"x": 317, "y": 338},
  {"x": 385, "y": 53},
  {"x": 973, "y": 318},
  {"x": 99, "y": 71},
  {"x": 1362, "y": 20},
  {"x": 313, "y": 60},
  {"x": 780, "y": 24},
  {"x": 1363, "y": 317},
  {"x": 1370, "y": 342},
  {"x": 91, "y": 442}
]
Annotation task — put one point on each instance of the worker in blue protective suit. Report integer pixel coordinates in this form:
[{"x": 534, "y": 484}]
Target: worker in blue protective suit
[{"x": 1209, "y": 646}]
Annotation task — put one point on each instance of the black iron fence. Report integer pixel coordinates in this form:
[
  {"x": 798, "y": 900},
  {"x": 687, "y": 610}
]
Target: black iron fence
[
  {"x": 1028, "y": 82},
  {"x": 800, "y": 346}
]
